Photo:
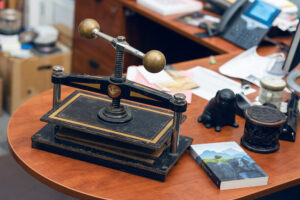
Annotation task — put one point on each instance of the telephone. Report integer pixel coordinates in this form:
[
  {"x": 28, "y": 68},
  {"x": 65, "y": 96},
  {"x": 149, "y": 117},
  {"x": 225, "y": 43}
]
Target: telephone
[{"x": 245, "y": 23}]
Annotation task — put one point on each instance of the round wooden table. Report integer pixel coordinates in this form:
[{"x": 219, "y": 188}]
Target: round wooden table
[{"x": 185, "y": 181}]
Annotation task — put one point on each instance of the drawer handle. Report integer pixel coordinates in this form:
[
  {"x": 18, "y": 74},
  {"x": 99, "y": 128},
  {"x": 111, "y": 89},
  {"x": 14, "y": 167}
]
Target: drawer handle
[
  {"x": 46, "y": 67},
  {"x": 94, "y": 64},
  {"x": 98, "y": 1}
]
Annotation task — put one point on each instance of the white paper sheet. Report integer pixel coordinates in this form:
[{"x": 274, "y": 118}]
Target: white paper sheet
[
  {"x": 210, "y": 82},
  {"x": 153, "y": 78},
  {"x": 249, "y": 66}
]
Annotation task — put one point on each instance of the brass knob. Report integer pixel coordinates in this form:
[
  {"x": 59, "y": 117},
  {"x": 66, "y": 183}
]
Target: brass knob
[
  {"x": 154, "y": 61},
  {"x": 86, "y": 28}
]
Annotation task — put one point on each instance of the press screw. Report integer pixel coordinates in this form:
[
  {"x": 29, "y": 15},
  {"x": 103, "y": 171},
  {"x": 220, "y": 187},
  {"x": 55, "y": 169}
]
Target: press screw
[
  {"x": 121, "y": 38},
  {"x": 179, "y": 98},
  {"x": 57, "y": 70}
]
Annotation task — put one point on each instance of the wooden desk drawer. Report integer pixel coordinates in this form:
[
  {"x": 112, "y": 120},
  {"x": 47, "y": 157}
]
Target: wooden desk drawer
[
  {"x": 108, "y": 13},
  {"x": 110, "y": 16},
  {"x": 96, "y": 56}
]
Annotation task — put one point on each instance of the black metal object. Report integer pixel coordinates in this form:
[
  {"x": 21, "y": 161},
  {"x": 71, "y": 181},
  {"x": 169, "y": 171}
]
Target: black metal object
[
  {"x": 149, "y": 127},
  {"x": 111, "y": 131},
  {"x": 262, "y": 129},
  {"x": 141, "y": 146},
  {"x": 242, "y": 103},
  {"x": 128, "y": 90},
  {"x": 45, "y": 140},
  {"x": 289, "y": 128},
  {"x": 220, "y": 111}
]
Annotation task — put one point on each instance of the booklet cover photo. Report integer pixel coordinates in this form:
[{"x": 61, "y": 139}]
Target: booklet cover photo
[{"x": 228, "y": 165}]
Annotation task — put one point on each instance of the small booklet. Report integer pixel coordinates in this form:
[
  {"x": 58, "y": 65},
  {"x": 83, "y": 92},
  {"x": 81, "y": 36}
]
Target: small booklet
[{"x": 228, "y": 165}]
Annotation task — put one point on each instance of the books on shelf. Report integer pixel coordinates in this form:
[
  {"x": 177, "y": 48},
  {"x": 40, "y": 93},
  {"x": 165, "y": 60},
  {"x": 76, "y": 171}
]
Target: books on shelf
[
  {"x": 228, "y": 165},
  {"x": 169, "y": 7}
]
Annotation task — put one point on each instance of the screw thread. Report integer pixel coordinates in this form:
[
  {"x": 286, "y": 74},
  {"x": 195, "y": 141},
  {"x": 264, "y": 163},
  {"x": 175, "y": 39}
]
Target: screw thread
[
  {"x": 115, "y": 103},
  {"x": 119, "y": 63}
]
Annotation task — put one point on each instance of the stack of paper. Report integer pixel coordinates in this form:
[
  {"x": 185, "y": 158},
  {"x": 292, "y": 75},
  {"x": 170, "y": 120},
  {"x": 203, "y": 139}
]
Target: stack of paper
[
  {"x": 171, "y": 82},
  {"x": 203, "y": 82},
  {"x": 169, "y": 7},
  {"x": 285, "y": 5},
  {"x": 288, "y": 18}
]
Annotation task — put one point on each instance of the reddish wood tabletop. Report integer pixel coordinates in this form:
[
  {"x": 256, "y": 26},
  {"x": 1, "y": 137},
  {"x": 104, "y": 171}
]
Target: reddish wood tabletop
[{"x": 185, "y": 181}]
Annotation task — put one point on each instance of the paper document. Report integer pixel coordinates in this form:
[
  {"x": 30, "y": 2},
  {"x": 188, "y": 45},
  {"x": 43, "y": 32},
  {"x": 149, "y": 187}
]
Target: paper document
[
  {"x": 182, "y": 81},
  {"x": 133, "y": 74},
  {"x": 249, "y": 66},
  {"x": 210, "y": 82},
  {"x": 169, "y": 7},
  {"x": 160, "y": 77}
]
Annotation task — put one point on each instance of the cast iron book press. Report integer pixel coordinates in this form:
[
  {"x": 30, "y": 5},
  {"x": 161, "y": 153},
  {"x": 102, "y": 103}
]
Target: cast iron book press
[{"x": 130, "y": 135}]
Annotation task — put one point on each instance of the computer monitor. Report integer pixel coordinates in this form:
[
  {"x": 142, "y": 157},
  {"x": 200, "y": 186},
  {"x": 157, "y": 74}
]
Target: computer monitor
[{"x": 293, "y": 56}]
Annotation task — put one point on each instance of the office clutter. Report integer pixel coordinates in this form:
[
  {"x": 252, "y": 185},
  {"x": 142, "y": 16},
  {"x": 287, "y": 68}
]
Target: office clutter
[
  {"x": 45, "y": 12},
  {"x": 169, "y": 7},
  {"x": 25, "y": 78},
  {"x": 26, "y": 61},
  {"x": 10, "y": 21},
  {"x": 201, "y": 20},
  {"x": 45, "y": 40},
  {"x": 28, "y": 53},
  {"x": 245, "y": 24},
  {"x": 218, "y": 6},
  {"x": 288, "y": 18},
  {"x": 228, "y": 165},
  {"x": 220, "y": 111}
]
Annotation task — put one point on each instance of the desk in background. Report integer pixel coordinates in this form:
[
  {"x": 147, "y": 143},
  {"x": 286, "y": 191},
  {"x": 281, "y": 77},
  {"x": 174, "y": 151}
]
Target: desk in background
[
  {"x": 185, "y": 181},
  {"x": 144, "y": 29}
]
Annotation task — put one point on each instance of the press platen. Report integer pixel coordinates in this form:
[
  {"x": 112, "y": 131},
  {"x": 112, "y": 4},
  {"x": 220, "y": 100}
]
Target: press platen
[{"x": 129, "y": 135}]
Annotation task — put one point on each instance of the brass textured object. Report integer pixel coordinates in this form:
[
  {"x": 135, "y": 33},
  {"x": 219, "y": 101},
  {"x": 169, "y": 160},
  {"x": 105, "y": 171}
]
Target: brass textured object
[
  {"x": 154, "y": 61},
  {"x": 113, "y": 130},
  {"x": 86, "y": 28}
]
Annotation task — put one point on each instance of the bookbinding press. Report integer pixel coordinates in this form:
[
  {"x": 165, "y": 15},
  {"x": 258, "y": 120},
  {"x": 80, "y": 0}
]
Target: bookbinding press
[{"x": 140, "y": 135}]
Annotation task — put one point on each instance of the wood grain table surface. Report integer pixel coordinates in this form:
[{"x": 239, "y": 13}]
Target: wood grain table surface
[{"x": 185, "y": 181}]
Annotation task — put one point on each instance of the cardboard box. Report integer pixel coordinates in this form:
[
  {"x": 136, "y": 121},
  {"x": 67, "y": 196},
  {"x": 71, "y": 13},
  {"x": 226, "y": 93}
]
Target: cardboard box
[
  {"x": 25, "y": 78},
  {"x": 65, "y": 34}
]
